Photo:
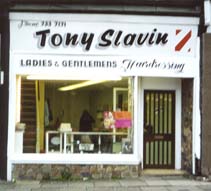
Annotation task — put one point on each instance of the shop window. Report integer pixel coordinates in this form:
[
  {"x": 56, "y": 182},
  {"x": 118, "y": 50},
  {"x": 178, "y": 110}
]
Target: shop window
[{"x": 94, "y": 118}]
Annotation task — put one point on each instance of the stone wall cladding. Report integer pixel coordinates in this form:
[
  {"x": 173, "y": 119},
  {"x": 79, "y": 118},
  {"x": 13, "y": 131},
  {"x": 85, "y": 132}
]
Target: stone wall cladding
[
  {"x": 187, "y": 100},
  {"x": 73, "y": 172}
]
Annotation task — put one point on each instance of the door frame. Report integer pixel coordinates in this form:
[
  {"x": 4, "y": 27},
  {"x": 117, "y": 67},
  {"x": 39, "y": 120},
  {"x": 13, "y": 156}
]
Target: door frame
[{"x": 149, "y": 83}]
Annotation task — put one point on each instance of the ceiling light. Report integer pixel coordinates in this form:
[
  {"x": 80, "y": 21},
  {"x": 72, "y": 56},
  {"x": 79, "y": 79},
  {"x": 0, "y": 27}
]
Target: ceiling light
[
  {"x": 80, "y": 85},
  {"x": 81, "y": 76},
  {"x": 47, "y": 77}
]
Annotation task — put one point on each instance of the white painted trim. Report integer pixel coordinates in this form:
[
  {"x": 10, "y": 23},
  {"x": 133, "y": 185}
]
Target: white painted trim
[
  {"x": 209, "y": 29},
  {"x": 115, "y": 89},
  {"x": 57, "y": 158},
  {"x": 110, "y": 18},
  {"x": 207, "y": 12},
  {"x": 196, "y": 115},
  {"x": 178, "y": 126},
  {"x": 11, "y": 121},
  {"x": 9, "y": 170},
  {"x": 163, "y": 84},
  {"x": 136, "y": 130},
  {"x": 140, "y": 120}
]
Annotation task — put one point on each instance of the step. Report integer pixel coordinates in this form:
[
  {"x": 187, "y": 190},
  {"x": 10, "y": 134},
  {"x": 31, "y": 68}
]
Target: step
[
  {"x": 27, "y": 101},
  {"x": 28, "y": 107},
  {"x": 163, "y": 172},
  {"x": 31, "y": 142},
  {"x": 28, "y": 120},
  {"x": 29, "y": 135},
  {"x": 29, "y": 149},
  {"x": 28, "y": 97},
  {"x": 27, "y": 115}
]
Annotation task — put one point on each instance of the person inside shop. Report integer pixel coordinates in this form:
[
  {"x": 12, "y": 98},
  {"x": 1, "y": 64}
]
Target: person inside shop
[{"x": 86, "y": 122}]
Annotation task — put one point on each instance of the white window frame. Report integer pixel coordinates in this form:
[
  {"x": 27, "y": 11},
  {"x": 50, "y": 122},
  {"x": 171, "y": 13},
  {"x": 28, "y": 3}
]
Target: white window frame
[{"x": 58, "y": 158}]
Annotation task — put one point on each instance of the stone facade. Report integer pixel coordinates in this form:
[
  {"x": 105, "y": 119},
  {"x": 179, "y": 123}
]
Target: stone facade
[
  {"x": 187, "y": 103},
  {"x": 74, "y": 172},
  {"x": 206, "y": 107}
]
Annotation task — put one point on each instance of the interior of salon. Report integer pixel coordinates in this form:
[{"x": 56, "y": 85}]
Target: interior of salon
[{"x": 74, "y": 116}]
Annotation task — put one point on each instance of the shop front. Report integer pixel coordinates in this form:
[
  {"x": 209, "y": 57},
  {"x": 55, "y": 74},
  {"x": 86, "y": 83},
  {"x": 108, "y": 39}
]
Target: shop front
[{"x": 95, "y": 95}]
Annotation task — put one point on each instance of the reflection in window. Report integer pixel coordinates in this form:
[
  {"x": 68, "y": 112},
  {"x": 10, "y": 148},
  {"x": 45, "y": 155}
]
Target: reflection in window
[{"x": 88, "y": 119}]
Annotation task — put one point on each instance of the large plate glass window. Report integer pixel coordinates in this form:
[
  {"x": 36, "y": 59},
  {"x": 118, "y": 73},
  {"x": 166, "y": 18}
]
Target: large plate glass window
[{"x": 74, "y": 116}]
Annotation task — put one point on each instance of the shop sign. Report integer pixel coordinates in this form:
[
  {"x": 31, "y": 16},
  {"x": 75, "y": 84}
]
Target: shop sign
[
  {"x": 121, "y": 66},
  {"x": 93, "y": 43}
]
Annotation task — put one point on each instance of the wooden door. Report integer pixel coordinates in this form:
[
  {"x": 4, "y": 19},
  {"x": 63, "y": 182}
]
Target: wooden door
[{"x": 159, "y": 129}]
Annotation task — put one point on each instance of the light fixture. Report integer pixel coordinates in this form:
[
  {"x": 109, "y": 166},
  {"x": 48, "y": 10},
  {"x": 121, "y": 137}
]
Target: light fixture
[
  {"x": 50, "y": 77},
  {"x": 80, "y": 85},
  {"x": 81, "y": 76},
  {"x": 91, "y": 79}
]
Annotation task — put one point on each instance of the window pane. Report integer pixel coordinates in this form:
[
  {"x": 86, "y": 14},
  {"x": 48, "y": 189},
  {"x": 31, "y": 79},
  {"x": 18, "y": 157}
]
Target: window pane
[{"x": 81, "y": 120}]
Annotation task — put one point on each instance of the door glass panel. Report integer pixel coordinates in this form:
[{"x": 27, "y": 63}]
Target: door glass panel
[
  {"x": 156, "y": 152},
  {"x": 156, "y": 114},
  {"x": 147, "y": 153},
  {"x": 170, "y": 114},
  {"x": 169, "y": 152},
  {"x": 161, "y": 116},
  {"x": 152, "y": 110},
  {"x": 161, "y": 153},
  {"x": 148, "y": 109},
  {"x": 165, "y": 152},
  {"x": 151, "y": 153}
]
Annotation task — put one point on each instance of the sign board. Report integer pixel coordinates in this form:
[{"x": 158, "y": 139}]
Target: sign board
[{"x": 125, "y": 45}]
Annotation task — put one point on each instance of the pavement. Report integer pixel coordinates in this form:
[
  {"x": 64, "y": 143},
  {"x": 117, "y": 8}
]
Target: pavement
[{"x": 143, "y": 183}]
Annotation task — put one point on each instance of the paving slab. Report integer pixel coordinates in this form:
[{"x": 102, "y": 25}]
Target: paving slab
[
  {"x": 132, "y": 183},
  {"x": 52, "y": 184},
  {"x": 204, "y": 183},
  {"x": 114, "y": 189},
  {"x": 205, "y": 187},
  {"x": 152, "y": 177},
  {"x": 155, "y": 188},
  {"x": 144, "y": 183},
  {"x": 4, "y": 187},
  {"x": 185, "y": 182},
  {"x": 82, "y": 184},
  {"x": 173, "y": 177},
  {"x": 133, "y": 188},
  {"x": 184, "y": 188},
  {"x": 157, "y": 182},
  {"x": 53, "y": 189},
  {"x": 101, "y": 189},
  {"x": 108, "y": 183},
  {"x": 26, "y": 184}
]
